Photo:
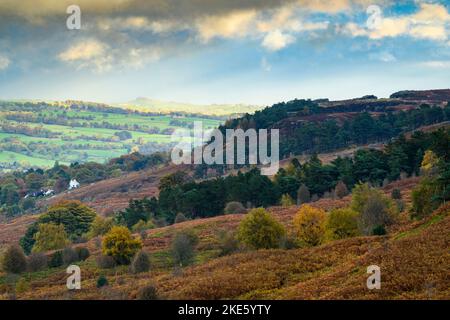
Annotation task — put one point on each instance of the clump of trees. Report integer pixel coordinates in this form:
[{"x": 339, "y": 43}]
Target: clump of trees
[
  {"x": 305, "y": 182},
  {"x": 64, "y": 221},
  {"x": 330, "y": 134},
  {"x": 434, "y": 187}
]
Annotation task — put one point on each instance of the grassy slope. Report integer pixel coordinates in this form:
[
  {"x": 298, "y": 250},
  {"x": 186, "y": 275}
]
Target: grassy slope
[
  {"x": 95, "y": 149},
  {"x": 414, "y": 260}
]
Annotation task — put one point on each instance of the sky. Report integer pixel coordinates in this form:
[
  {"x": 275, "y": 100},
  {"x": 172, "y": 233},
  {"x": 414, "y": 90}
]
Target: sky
[{"x": 222, "y": 51}]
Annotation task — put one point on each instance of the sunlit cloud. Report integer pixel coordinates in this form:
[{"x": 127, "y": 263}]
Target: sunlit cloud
[
  {"x": 277, "y": 40},
  {"x": 233, "y": 25},
  {"x": 430, "y": 22}
]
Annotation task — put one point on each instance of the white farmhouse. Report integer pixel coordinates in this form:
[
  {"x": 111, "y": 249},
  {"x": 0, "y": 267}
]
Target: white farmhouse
[{"x": 74, "y": 184}]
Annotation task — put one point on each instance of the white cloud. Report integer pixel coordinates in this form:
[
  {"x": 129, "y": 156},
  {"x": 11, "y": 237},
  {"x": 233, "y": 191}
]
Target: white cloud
[
  {"x": 430, "y": 22},
  {"x": 89, "y": 53},
  {"x": 436, "y": 64},
  {"x": 140, "y": 23},
  {"x": 100, "y": 57},
  {"x": 434, "y": 32},
  {"x": 383, "y": 56},
  {"x": 277, "y": 40},
  {"x": 276, "y": 27},
  {"x": 4, "y": 62},
  {"x": 84, "y": 50}
]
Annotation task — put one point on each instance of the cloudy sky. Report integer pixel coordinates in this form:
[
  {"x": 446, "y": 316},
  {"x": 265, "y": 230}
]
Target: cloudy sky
[{"x": 222, "y": 51}]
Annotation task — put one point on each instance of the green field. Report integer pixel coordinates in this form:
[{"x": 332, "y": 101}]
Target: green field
[
  {"x": 7, "y": 156},
  {"x": 85, "y": 136}
]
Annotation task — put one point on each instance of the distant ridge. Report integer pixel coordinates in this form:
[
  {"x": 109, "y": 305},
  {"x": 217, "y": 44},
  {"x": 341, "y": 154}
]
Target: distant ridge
[{"x": 153, "y": 105}]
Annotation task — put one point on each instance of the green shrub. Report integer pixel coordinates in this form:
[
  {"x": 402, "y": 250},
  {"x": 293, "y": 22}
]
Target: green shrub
[
  {"x": 100, "y": 226},
  {"x": 376, "y": 212},
  {"x": 105, "y": 262},
  {"x": 234, "y": 207},
  {"x": 341, "y": 224},
  {"x": 22, "y": 286},
  {"x": 423, "y": 200},
  {"x": 183, "y": 246},
  {"x": 148, "y": 292},
  {"x": 14, "y": 260},
  {"x": 379, "y": 231},
  {"x": 102, "y": 281},
  {"x": 286, "y": 200},
  {"x": 259, "y": 230},
  {"x": 396, "y": 194},
  {"x": 56, "y": 259},
  {"x": 228, "y": 243},
  {"x": 142, "y": 225},
  {"x": 28, "y": 204},
  {"x": 37, "y": 262},
  {"x": 83, "y": 253},
  {"x": 69, "y": 256},
  {"x": 140, "y": 263},
  {"x": 374, "y": 208}
]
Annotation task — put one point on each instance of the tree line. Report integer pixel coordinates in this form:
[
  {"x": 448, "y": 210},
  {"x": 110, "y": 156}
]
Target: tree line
[{"x": 301, "y": 182}]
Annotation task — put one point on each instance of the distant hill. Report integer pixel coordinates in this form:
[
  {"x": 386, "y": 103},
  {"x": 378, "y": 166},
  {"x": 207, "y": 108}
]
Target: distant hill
[
  {"x": 152, "y": 105},
  {"x": 308, "y": 126},
  {"x": 427, "y": 95},
  {"x": 37, "y": 133}
]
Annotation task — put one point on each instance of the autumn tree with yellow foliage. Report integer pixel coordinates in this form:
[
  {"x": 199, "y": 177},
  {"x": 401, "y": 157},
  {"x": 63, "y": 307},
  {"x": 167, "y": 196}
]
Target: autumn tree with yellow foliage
[
  {"x": 310, "y": 224},
  {"x": 120, "y": 244}
]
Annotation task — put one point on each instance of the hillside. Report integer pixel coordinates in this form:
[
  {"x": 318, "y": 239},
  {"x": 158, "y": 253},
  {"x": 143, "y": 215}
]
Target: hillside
[
  {"x": 323, "y": 126},
  {"x": 392, "y": 192},
  {"x": 36, "y": 134},
  {"x": 413, "y": 258}
]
